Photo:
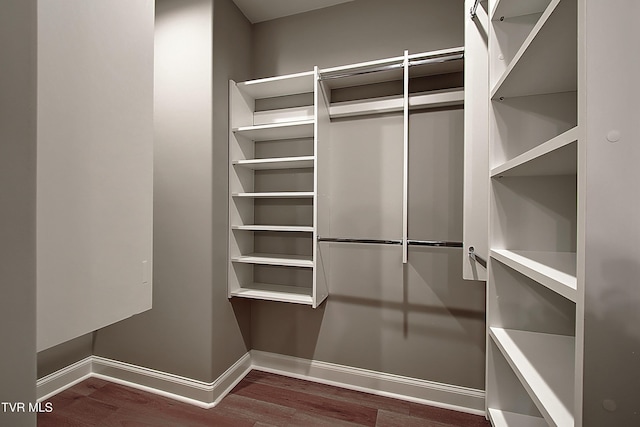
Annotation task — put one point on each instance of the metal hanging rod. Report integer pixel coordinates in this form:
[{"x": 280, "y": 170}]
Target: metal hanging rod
[
  {"x": 474, "y": 9},
  {"x": 477, "y": 258},
  {"x": 366, "y": 241},
  {"x": 432, "y": 243},
  {"x": 425, "y": 61},
  {"x": 435, "y": 243}
]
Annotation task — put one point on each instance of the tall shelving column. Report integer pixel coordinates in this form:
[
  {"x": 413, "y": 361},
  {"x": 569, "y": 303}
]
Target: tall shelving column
[
  {"x": 534, "y": 137},
  {"x": 273, "y": 189}
]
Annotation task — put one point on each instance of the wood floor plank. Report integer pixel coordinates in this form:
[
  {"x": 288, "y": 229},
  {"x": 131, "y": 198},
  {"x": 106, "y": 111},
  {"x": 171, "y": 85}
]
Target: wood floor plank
[
  {"x": 393, "y": 419},
  {"x": 250, "y": 409},
  {"x": 447, "y": 416}
]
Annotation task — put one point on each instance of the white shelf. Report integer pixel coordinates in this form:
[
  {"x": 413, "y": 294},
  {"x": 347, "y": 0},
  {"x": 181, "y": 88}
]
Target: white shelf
[
  {"x": 442, "y": 98},
  {"x": 511, "y": 8},
  {"x": 290, "y": 228},
  {"x": 277, "y": 163},
  {"x": 270, "y": 87},
  {"x": 276, "y": 131},
  {"x": 281, "y": 293},
  {"x": 547, "y": 60},
  {"x": 511, "y": 419},
  {"x": 554, "y": 270},
  {"x": 275, "y": 259},
  {"x": 276, "y": 195},
  {"x": 558, "y": 156},
  {"x": 545, "y": 365}
]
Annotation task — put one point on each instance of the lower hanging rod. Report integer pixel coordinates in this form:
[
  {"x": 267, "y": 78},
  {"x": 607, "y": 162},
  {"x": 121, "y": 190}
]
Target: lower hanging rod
[{"x": 432, "y": 243}]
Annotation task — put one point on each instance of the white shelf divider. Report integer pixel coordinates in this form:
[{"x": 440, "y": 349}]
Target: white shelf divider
[
  {"x": 554, "y": 270},
  {"x": 277, "y": 163},
  {"x": 510, "y": 419},
  {"x": 271, "y": 292},
  {"x": 276, "y": 195},
  {"x": 558, "y": 156},
  {"x": 273, "y": 131},
  {"x": 510, "y": 8},
  {"x": 277, "y": 228},
  {"x": 275, "y": 259},
  {"x": 547, "y": 60},
  {"x": 545, "y": 365}
]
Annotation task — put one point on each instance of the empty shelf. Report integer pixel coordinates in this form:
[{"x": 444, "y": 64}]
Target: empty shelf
[
  {"x": 277, "y": 131},
  {"x": 277, "y": 195},
  {"x": 278, "y": 86},
  {"x": 277, "y": 163},
  {"x": 510, "y": 419},
  {"x": 545, "y": 365},
  {"x": 436, "y": 99},
  {"x": 554, "y": 270},
  {"x": 290, "y": 228},
  {"x": 275, "y": 259},
  {"x": 282, "y": 293},
  {"x": 547, "y": 60}
]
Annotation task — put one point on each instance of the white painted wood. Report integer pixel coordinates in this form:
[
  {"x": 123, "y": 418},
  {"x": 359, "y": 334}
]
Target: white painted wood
[
  {"x": 94, "y": 165},
  {"x": 509, "y": 8},
  {"x": 276, "y": 195},
  {"x": 270, "y": 87},
  {"x": 283, "y": 115},
  {"x": 558, "y": 156},
  {"x": 271, "y": 292},
  {"x": 58, "y": 381},
  {"x": 405, "y": 163},
  {"x": 547, "y": 60},
  {"x": 435, "y": 99},
  {"x": 276, "y": 163},
  {"x": 275, "y": 259},
  {"x": 290, "y": 228},
  {"x": 500, "y": 418},
  {"x": 260, "y": 11},
  {"x": 287, "y": 130},
  {"x": 544, "y": 363},
  {"x": 555, "y": 270},
  {"x": 416, "y": 390},
  {"x": 475, "y": 216}
]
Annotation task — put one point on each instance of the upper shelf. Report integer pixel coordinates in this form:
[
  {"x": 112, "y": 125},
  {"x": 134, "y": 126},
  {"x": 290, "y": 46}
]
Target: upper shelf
[
  {"x": 270, "y": 87},
  {"x": 277, "y": 163},
  {"x": 276, "y": 131},
  {"x": 558, "y": 156},
  {"x": 547, "y": 60},
  {"x": 510, "y": 8}
]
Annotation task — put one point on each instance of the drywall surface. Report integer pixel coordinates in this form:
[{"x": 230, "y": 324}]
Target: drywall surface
[
  {"x": 192, "y": 329},
  {"x": 356, "y": 31},
  {"x": 95, "y": 165},
  {"x": 65, "y": 354},
  {"x": 18, "y": 209}
]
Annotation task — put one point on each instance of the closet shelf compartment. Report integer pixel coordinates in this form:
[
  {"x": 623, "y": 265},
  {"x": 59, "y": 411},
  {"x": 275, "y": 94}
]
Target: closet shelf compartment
[
  {"x": 511, "y": 8},
  {"x": 544, "y": 363},
  {"x": 277, "y": 228},
  {"x": 277, "y": 163},
  {"x": 547, "y": 60},
  {"x": 277, "y": 195},
  {"x": 554, "y": 270},
  {"x": 558, "y": 156},
  {"x": 280, "y": 293},
  {"x": 277, "y": 131},
  {"x": 275, "y": 259},
  {"x": 270, "y": 87},
  {"x": 511, "y": 419}
]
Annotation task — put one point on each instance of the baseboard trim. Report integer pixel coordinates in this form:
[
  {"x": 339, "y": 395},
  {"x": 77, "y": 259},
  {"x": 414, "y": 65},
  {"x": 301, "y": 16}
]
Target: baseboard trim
[
  {"x": 207, "y": 395},
  {"x": 447, "y": 396}
]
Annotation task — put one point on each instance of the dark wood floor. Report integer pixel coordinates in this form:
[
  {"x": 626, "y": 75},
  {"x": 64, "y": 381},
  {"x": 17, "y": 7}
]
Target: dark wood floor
[{"x": 259, "y": 400}]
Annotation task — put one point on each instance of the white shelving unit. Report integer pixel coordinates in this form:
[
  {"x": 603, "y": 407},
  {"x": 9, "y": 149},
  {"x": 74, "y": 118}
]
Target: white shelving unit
[
  {"x": 534, "y": 137},
  {"x": 274, "y": 189}
]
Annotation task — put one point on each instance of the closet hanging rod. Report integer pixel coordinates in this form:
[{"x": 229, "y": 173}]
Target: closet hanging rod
[
  {"x": 477, "y": 258},
  {"x": 435, "y": 243},
  {"x": 474, "y": 9},
  {"x": 424, "y": 61},
  {"x": 365, "y": 241}
]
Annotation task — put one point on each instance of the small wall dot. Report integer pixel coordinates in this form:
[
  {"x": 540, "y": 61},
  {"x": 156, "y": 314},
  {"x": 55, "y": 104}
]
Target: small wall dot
[
  {"x": 613, "y": 136},
  {"x": 609, "y": 405}
]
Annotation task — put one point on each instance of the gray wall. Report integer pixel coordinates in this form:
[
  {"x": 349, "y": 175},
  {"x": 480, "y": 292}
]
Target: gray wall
[
  {"x": 18, "y": 207},
  {"x": 356, "y": 31},
  {"x": 192, "y": 329},
  {"x": 421, "y": 320}
]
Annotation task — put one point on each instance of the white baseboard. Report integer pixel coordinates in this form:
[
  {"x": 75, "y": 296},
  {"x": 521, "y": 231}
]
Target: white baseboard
[
  {"x": 411, "y": 389},
  {"x": 208, "y": 395}
]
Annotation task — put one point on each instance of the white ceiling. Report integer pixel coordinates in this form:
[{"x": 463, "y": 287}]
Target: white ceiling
[{"x": 265, "y": 10}]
